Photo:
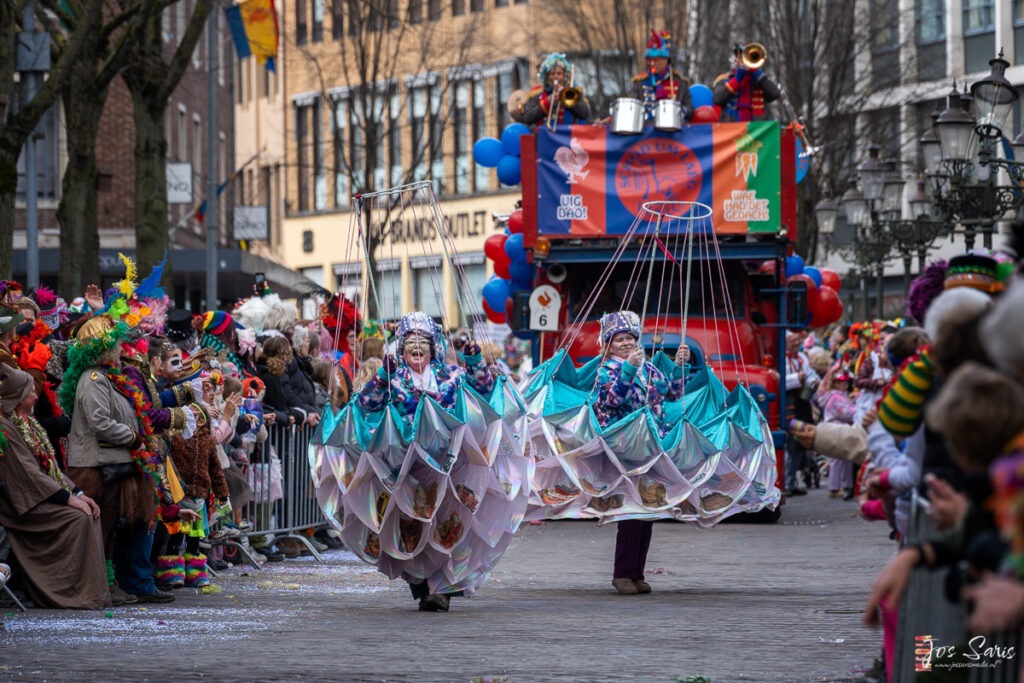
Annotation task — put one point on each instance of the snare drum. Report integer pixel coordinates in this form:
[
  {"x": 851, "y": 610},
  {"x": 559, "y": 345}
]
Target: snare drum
[
  {"x": 668, "y": 115},
  {"x": 627, "y": 116}
]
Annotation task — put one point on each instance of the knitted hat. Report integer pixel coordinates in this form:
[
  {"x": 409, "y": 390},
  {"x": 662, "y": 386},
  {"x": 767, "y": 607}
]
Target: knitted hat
[
  {"x": 623, "y": 321},
  {"x": 217, "y": 322},
  {"x": 925, "y": 288},
  {"x": 659, "y": 45},
  {"x": 26, "y": 302},
  {"x": 550, "y": 62},
  {"x": 9, "y": 318},
  {"x": 179, "y": 325},
  {"x": 973, "y": 270},
  {"x": 15, "y": 385}
]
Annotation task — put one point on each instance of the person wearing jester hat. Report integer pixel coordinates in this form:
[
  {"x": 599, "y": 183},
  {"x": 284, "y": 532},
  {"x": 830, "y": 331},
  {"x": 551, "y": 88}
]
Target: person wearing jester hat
[
  {"x": 421, "y": 370},
  {"x": 741, "y": 93},
  {"x": 554, "y": 74},
  {"x": 402, "y": 383},
  {"x": 660, "y": 81},
  {"x": 628, "y": 382}
]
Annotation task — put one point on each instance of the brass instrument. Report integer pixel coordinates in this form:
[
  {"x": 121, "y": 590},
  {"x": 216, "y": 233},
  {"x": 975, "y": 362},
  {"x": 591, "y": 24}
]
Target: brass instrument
[
  {"x": 753, "y": 56},
  {"x": 569, "y": 97}
]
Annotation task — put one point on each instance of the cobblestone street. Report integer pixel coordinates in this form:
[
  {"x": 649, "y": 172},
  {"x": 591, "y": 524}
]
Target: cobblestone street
[{"x": 736, "y": 603}]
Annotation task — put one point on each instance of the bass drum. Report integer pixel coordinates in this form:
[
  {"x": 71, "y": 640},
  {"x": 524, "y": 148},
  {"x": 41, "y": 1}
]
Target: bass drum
[
  {"x": 627, "y": 116},
  {"x": 668, "y": 115}
]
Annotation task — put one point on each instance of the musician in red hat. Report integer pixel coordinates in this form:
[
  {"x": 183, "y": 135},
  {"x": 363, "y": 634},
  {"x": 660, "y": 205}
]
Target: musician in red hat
[{"x": 660, "y": 81}]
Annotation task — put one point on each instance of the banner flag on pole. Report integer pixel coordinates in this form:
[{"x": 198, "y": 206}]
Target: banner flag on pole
[{"x": 253, "y": 25}]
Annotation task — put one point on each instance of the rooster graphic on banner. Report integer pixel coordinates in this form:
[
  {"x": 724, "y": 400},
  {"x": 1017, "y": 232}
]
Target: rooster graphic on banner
[{"x": 572, "y": 160}]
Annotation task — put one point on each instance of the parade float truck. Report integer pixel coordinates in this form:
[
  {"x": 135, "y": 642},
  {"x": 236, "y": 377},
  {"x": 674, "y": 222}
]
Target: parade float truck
[{"x": 583, "y": 189}]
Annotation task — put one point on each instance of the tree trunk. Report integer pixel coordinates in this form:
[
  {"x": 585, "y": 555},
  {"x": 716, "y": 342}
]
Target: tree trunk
[
  {"x": 79, "y": 233},
  {"x": 8, "y": 186},
  {"x": 151, "y": 224}
]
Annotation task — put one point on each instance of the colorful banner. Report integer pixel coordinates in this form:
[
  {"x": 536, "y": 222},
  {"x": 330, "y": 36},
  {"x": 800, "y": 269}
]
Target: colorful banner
[
  {"x": 592, "y": 182},
  {"x": 253, "y": 25}
]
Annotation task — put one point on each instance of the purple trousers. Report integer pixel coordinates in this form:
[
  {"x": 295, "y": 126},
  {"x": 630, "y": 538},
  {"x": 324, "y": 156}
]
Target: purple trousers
[{"x": 632, "y": 541}]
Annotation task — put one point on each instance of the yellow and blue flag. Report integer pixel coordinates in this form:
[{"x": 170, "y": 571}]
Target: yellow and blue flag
[{"x": 253, "y": 26}]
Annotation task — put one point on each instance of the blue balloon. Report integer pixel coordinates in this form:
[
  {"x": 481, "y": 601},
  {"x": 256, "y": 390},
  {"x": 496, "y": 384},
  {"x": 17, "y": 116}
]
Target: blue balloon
[
  {"x": 794, "y": 264},
  {"x": 515, "y": 250},
  {"x": 701, "y": 95},
  {"x": 510, "y": 137},
  {"x": 509, "y": 170},
  {"x": 495, "y": 292},
  {"x": 522, "y": 274},
  {"x": 488, "y": 152},
  {"x": 814, "y": 274}
]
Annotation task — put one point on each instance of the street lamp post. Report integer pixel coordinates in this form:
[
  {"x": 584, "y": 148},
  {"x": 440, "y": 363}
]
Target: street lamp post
[{"x": 961, "y": 159}]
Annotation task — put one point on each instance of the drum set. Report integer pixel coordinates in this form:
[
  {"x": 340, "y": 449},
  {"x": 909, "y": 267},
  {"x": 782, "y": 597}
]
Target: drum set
[{"x": 627, "y": 116}]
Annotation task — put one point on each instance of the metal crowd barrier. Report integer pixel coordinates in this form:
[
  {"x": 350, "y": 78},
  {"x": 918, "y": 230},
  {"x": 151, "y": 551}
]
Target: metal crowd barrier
[
  {"x": 282, "y": 502},
  {"x": 925, "y": 612}
]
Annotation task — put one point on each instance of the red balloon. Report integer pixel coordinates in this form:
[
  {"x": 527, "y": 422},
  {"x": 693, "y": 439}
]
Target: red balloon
[
  {"x": 494, "y": 246},
  {"x": 767, "y": 268},
  {"x": 492, "y": 315},
  {"x": 837, "y": 315},
  {"x": 705, "y": 114},
  {"x": 824, "y": 303},
  {"x": 501, "y": 265},
  {"x": 830, "y": 278},
  {"x": 515, "y": 222}
]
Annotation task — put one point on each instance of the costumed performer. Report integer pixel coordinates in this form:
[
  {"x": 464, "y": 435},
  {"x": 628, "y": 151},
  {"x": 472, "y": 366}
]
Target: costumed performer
[
  {"x": 627, "y": 381},
  {"x": 54, "y": 528},
  {"x": 422, "y": 372},
  {"x": 743, "y": 92},
  {"x": 660, "y": 81},
  {"x": 554, "y": 75}
]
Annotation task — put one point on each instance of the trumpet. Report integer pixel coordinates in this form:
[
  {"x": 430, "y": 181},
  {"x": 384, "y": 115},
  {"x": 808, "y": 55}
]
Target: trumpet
[{"x": 752, "y": 56}]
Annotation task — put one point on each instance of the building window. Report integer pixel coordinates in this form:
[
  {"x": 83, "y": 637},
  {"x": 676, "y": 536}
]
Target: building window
[
  {"x": 337, "y": 19},
  {"x": 348, "y": 279},
  {"x": 356, "y": 145},
  {"x": 460, "y": 128},
  {"x": 318, "y": 21},
  {"x": 481, "y": 176},
  {"x": 978, "y": 16},
  {"x": 503, "y": 90},
  {"x": 389, "y": 288},
  {"x": 379, "y": 115},
  {"x": 48, "y": 165},
  {"x": 434, "y": 9},
  {"x": 319, "y": 159},
  {"x": 182, "y": 133},
  {"x": 884, "y": 24},
  {"x": 415, "y": 11},
  {"x": 300, "y": 22},
  {"x": 521, "y": 2},
  {"x": 476, "y": 277},
  {"x": 476, "y": 5},
  {"x": 303, "y": 156},
  {"x": 341, "y": 187},
  {"x": 355, "y": 17},
  {"x": 197, "y": 145},
  {"x": 501, "y": 3},
  {"x": 417, "y": 126},
  {"x": 428, "y": 284},
  {"x": 458, "y": 7},
  {"x": 931, "y": 20},
  {"x": 395, "y": 139},
  {"x": 436, "y": 141},
  {"x": 266, "y": 195}
]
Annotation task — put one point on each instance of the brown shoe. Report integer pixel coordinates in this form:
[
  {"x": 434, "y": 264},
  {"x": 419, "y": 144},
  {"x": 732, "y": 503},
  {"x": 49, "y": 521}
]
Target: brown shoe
[
  {"x": 118, "y": 597},
  {"x": 642, "y": 586},
  {"x": 625, "y": 586}
]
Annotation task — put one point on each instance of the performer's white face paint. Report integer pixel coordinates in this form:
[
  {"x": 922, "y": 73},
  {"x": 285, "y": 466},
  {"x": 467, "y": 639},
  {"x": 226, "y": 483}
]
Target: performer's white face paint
[
  {"x": 416, "y": 352},
  {"x": 622, "y": 344}
]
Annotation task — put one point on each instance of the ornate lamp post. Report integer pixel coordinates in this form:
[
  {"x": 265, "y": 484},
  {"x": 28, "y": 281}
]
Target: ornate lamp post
[{"x": 961, "y": 161}]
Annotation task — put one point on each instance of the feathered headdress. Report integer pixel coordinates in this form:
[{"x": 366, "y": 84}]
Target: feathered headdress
[{"x": 340, "y": 316}]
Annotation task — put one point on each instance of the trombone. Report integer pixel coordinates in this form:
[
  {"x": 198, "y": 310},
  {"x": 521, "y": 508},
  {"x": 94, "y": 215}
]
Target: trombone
[{"x": 569, "y": 97}]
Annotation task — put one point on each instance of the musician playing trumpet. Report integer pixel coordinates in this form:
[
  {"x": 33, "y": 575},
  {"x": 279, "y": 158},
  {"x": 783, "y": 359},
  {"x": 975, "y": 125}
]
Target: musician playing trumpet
[
  {"x": 743, "y": 93},
  {"x": 557, "y": 100},
  {"x": 660, "y": 81}
]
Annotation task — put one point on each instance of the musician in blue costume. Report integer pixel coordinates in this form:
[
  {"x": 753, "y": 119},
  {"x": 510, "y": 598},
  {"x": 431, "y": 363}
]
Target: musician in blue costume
[
  {"x": 628, "y": 382},
  {"x": 554, "y": 74},
  {"x": 660, "y": 81}
]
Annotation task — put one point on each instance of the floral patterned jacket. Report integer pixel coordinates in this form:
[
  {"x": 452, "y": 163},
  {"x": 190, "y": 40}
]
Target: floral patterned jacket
[
  {"x": 621, "y": 389},
  {"x": 402, "y": 392}
]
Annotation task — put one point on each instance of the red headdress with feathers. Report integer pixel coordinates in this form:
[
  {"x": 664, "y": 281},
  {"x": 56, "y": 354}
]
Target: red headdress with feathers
[{"x": 340, "y": 316}]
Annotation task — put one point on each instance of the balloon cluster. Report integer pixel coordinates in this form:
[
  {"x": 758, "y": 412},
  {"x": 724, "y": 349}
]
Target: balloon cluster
[
  {"x": 512, "y": 272},
  {"x": 704, "y": 108},
  {"x": 502, "y": 154},
  {"x": 822, "y": 290}
]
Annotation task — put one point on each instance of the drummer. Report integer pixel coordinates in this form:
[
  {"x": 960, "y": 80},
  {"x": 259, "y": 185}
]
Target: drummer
[
  {"x": 743, "y": 93},
  {"x": 660, "y": 81},
  {"x": 554, "y": 74}
]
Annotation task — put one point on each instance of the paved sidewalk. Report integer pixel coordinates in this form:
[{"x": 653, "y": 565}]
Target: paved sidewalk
[{"x": 736, "y": 603}]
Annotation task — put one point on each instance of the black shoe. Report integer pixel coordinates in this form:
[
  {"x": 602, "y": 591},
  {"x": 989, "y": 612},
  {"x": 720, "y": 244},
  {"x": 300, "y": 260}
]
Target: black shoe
[
  {"x": 156, "y": 596},
  {"x": 272, "y": 555},
  {"x": 796, "y": 492},
  {"x": 434, "y": 603},
  {"x": 330, "y": 541},
  {"x": 849, "y": 495},
  {"x": 217, "y": 565}
]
